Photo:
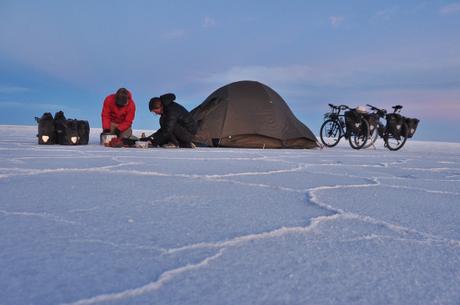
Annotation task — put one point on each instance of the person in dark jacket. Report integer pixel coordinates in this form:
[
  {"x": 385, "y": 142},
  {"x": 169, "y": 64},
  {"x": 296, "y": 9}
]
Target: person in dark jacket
[
  {"x": 177, "y": 126},
  {"x": 118, "y": 113}
]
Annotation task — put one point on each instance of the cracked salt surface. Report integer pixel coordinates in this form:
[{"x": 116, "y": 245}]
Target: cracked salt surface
[{"x": 94, "y": 225}]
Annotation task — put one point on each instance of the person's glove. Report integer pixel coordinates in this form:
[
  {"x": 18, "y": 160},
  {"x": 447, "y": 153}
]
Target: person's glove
[
  {"x": 150, "y": 139},
  {"x": 145, "y": 139},
  {"x": 117, "y": 132},
  {"x": 116, "y": 142},
  {"x": 154, "y": 143}
]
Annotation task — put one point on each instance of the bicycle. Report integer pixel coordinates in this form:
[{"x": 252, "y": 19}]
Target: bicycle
[
  {"x": 349, "y": 124},
  {"x": 394, "y": 133},
  {"x": 376, "y": 127}
]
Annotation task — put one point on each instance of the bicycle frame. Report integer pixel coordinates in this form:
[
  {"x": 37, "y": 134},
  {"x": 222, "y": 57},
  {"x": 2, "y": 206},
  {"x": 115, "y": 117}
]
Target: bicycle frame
[{"x": 337, "y": 114}]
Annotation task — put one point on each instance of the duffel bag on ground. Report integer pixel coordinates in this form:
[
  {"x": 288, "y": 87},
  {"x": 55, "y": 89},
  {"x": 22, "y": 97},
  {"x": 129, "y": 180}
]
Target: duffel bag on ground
[
  {"x": 46, "y": 129},
  {"x": 60, "y": 123},
  {"x": 83, "y": 132},
  {"x": 67, "y": 131}
]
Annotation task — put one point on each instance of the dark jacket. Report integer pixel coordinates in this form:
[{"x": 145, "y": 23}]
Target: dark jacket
[{"x": 173, "y": 114}]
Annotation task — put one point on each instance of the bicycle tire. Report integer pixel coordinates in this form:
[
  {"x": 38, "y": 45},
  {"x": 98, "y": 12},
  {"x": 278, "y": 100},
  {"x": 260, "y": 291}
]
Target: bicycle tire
[
  {"x": 330, "y": 133},
  {"x": 357, "y": 140},
  {"x": 372, "y": 137},
  {"x": 392, "y": 142}
]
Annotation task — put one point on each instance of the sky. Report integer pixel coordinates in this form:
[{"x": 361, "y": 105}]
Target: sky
[
  {"x": 69, "y": 55},
  {"x": 91, "y": 225}
]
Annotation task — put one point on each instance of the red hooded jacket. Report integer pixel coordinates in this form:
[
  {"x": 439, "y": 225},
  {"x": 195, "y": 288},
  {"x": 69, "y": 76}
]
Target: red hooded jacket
[{"x": 123, "y": 116}]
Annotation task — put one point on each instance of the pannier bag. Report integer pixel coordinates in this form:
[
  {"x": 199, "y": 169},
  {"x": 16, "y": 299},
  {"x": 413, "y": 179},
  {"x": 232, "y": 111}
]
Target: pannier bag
[
  {"x": 70, "y": 133},
  {"x": 353, "y": 121},
  {"x": 62, "y": 131},
  {"x": 394, "y": 124},
  {"x": 412, "y": 124},
  {"x": 60, "y": 123},
  {"x": 373, "y": 120},
  {"x": 83, "y": 132},
  {"x": 46, "y": 129}
]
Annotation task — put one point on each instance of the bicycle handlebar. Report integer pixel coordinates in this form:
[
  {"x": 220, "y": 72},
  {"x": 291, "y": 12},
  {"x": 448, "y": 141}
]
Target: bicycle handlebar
[
  {"x": 373, "y": 107},
  {"x": 339, "y": 107},
  {"x": 379, "y": 111},
  {"x": 397, "y": 108}
]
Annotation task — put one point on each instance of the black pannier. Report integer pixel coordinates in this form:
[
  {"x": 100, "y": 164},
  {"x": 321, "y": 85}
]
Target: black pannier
[
  {"x": 373, "y": 120},
  {"x": 412, "y": 124},
  {"x": 394, "y": 124},
  {"x": 46, "y": 129},
  {"x": 61, "y": 130},
  {"x": 353, "y": 121},
  {"x": 59, "y": 121},
  {"x": 83, "y": 132},
  {"x": 71, "y": 132}
]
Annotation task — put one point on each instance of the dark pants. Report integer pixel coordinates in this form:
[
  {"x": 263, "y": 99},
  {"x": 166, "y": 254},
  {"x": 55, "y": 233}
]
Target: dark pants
[{"x": 180, "y": 137}]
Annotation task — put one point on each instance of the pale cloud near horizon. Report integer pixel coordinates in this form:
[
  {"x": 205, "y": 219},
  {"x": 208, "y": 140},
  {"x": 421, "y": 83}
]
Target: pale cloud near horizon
[
  {"x": 13, "y": 89},
  {"x": 174, "y": 34},
  {"x": 336, "y": 20},
  {"x": 353, "y": 74},
  {"x": 267, "y": 74},
  {"x": 424, "y": 103},
  {"x": 452, "y": 8},
  {"x": 387, "y": 13},
  {"x": 36, "y": 105},
  {"x": 349, "y": 83},
  {"x": 209, "y": 22}
]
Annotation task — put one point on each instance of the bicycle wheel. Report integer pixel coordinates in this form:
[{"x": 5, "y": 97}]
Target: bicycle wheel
[
  {"x": 358, "y": 139},
  {"x": 330, "y": 133},
  {"x": 395, "y": 142},
  {"x": 374, "y": 134}
]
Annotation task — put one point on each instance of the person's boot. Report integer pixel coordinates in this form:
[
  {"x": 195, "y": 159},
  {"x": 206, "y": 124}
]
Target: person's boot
[
  {"x": 187, "y": 145},
  {"x": 169, "y": 145}
]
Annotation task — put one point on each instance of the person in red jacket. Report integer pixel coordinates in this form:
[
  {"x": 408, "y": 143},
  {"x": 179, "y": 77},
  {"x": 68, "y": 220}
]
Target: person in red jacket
[{"x": 118, "y": 113}]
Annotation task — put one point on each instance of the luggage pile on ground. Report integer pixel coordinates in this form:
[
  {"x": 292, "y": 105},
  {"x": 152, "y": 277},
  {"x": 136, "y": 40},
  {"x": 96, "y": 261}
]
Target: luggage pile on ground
[{"x": 60, "y": 130}]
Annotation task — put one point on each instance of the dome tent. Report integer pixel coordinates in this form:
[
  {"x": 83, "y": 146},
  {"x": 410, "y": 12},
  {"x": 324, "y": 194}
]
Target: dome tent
[{"x": 249, "y": 114}]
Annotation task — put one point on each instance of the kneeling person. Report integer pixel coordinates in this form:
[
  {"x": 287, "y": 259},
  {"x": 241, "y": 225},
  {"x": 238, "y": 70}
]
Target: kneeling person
[
  {"x": 118, "y": 113},
  {"x": 177, "y": 126}
]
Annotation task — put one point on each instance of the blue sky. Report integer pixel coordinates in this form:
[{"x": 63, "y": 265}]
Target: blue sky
[{"x": 70, "y": 54}]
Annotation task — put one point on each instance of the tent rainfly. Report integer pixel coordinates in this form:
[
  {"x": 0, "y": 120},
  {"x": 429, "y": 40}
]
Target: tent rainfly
[{"x": 249, "y": 114}]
